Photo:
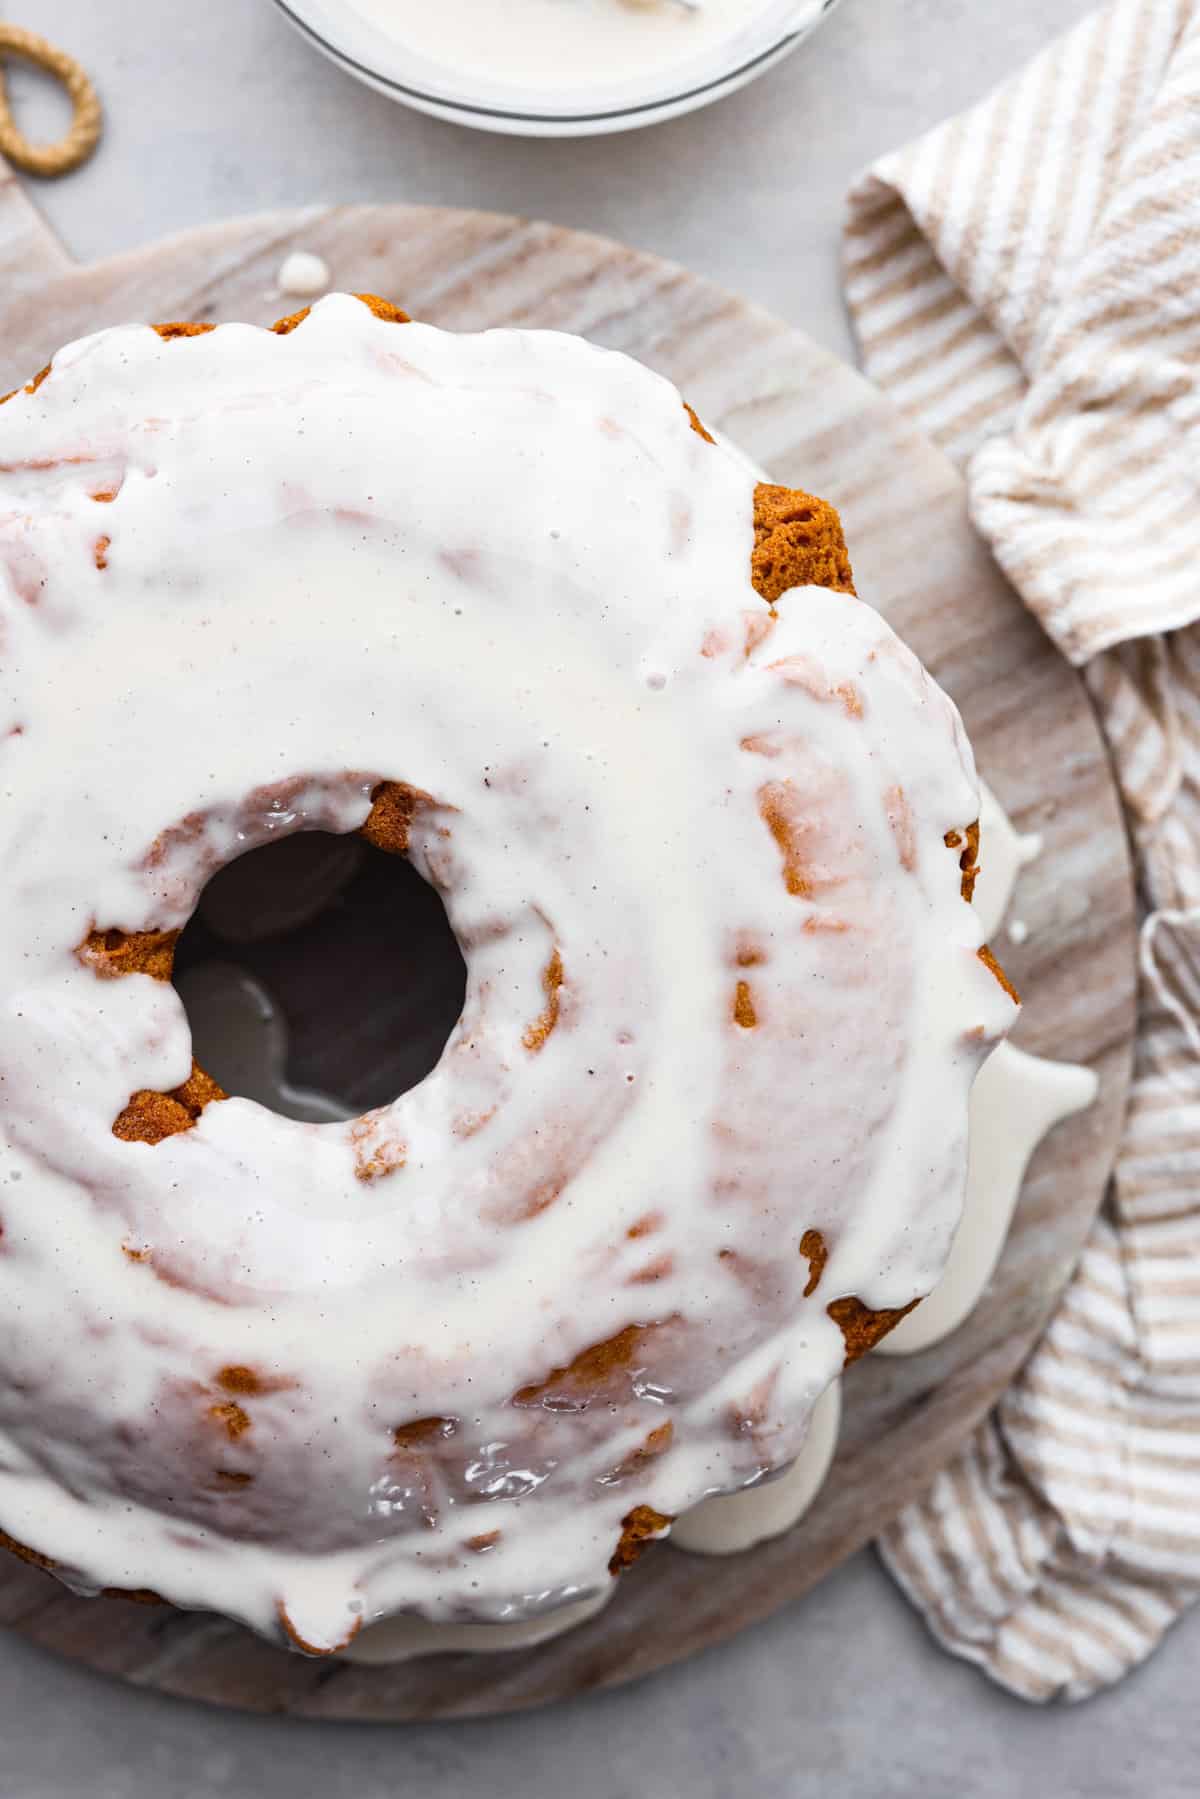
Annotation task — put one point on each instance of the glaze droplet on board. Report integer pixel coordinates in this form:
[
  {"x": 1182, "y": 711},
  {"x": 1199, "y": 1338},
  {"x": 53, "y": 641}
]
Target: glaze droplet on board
[{"x": 303, "y": 274}]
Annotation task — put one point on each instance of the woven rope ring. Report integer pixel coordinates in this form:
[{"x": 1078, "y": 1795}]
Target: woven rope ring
[{"x": 84, "y": 132}]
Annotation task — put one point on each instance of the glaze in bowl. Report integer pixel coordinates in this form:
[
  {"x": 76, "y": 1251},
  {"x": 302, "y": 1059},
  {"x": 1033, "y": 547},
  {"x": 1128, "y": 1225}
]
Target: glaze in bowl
[{"x": 340, "y": 32}]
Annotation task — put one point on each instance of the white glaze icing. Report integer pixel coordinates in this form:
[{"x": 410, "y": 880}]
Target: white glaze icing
[
  {"x": 1016, "y": 1099},
  {"x": 549, "y": 45},
  {"x": 238, "y": 1031},
  {"x": 726, "y": 1525},
  {"x": 400, "y": 1639},
  {"x": 304, "y": 274},
  {"x": 732, "y": 1522},
  {"x": 366, "y": 551}
]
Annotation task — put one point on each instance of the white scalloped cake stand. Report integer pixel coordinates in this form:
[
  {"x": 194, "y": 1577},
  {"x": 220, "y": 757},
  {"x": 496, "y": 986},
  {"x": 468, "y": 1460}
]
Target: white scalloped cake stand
[{"x": 814, "y": 423}]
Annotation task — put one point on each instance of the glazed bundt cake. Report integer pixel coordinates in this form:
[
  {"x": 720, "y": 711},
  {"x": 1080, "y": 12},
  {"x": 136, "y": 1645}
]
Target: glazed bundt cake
[{"x": 704, "y": 830}]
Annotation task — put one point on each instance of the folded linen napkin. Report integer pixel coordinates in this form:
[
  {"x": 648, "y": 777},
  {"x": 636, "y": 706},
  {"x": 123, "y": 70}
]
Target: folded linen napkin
[{"x": 1025, "y": 283}]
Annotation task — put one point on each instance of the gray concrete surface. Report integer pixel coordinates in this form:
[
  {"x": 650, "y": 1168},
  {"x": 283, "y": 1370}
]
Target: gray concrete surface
[{"x": 219, "y": 108}]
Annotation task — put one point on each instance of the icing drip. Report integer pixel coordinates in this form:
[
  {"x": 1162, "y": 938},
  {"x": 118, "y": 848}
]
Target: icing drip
[
  {"x": 726, "y": 1525},
  {"x": 433, "y": 1359},
  {"x": 1016, "y": 1099},
  {"x": 732, "y": 1522},
  {"x": 401, "y": 1639}
]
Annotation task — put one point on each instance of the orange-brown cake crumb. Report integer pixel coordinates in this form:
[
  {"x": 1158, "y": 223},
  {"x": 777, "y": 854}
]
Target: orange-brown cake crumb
[
  {"x": 861, "y": 1327},
  {"x": 198, "y": 1091},
  {"x": 384, "y": 309},
  {"x": 815, "y": 1253},
  {"x": 420, "y": 1433},
  {"x": 785, "y": 820},
  {"x": 394, "y": 805},
  {"x": 552, "y": 979},
  {"x": 233, "y": 1417},
  {"x": 112, "y": 953},
  {"x": 639, "y": 1527},
  {"x": 150, "y": 1116},
  {"x": 697, "y": 427},
  {"x": 33, "y": 1556},
  {"x": 798, "y": 542},
  {"x": 283, "y": 326},
  {"x": 968, "y": 862},
  {"x": 744, "y": 1013},
  {"x": 655, "y": 1444},
  {"x": 237, "y": 1378},
  {"x": 593, "y": 1374},
  {"x": 989, "y": 961}
]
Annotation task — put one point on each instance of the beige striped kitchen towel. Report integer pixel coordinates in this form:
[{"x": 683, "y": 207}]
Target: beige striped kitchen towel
[{"x": 1025, "y": 282}]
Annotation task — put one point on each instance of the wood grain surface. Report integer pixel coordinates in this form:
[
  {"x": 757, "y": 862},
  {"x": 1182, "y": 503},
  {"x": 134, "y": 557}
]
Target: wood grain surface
[{"x": 812, "y": 422}]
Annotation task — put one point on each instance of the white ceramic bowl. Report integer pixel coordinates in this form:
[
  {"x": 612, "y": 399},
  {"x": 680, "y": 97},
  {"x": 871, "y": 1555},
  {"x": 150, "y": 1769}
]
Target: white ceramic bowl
[{"x": 364, "y": 50}]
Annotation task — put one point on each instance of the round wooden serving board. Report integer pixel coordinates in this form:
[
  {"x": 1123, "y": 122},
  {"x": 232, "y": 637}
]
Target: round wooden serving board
[{"x": 814, "y": 423}]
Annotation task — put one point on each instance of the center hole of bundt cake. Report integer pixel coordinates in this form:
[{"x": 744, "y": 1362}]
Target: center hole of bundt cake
[{"x": 319, "y": 969}]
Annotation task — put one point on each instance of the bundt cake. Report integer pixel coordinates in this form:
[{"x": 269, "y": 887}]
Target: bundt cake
[{"x": 703, "y": 828}]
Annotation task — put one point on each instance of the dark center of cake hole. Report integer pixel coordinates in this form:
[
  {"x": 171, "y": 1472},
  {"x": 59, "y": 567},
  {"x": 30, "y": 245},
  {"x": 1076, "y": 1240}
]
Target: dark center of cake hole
[{"x": 356, "y": 953}]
